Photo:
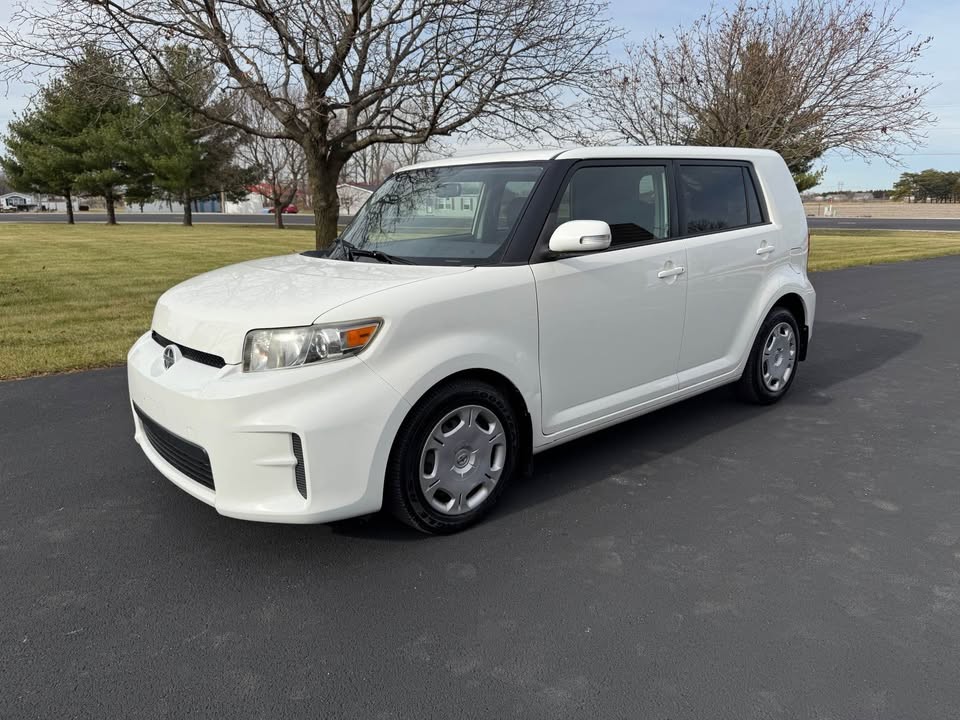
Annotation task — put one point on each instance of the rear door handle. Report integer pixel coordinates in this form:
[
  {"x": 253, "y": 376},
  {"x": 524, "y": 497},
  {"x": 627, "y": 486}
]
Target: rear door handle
[
  {"x": 672, "y": 272},
  {"x": 764, "y": 249}
]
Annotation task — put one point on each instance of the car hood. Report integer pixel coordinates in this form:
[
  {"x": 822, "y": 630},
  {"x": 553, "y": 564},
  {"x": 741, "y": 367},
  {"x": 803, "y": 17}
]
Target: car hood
[{"x": 214, "y": 311}]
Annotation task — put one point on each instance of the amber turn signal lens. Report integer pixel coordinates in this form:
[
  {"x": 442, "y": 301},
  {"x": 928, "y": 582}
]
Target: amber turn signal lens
[{"x": 358, "y": 337}]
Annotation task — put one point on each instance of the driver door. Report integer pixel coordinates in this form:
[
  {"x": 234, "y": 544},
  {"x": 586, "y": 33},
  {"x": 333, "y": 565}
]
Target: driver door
[{"x": 611, "y": 322}]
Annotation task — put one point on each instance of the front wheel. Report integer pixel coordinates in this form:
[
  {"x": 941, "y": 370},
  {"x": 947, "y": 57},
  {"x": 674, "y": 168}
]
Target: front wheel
[
  {"x": 772, "y": 365},
  {"x": 453, "y": 457}
]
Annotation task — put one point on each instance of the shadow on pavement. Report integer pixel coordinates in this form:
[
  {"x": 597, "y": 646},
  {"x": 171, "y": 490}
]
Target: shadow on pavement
[
  {"x": 843, "y": 351},
  {"x": 839, "y": 352}
]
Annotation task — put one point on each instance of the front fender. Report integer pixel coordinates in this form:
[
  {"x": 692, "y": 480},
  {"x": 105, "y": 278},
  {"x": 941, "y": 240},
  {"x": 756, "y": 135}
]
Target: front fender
[
  {"x": 425, "y": 338},
  {"x": 492, "y": 354}
]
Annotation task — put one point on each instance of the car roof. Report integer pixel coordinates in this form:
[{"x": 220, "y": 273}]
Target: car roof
[
  {"x": 485, "y": 158},
  {"x": 601, "y": 152}
]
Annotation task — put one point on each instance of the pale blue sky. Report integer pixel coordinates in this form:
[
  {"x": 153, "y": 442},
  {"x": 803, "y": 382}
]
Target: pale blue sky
[
  {"x": 642, "y": 17},
  {"x": 925, "y": 17}
]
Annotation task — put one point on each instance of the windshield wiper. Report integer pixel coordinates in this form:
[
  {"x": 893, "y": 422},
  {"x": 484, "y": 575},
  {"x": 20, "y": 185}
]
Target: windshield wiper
[{"x": 352, "y": 251}]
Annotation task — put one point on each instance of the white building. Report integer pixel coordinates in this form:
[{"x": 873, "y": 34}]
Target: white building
[
  {"x": 54, "y": 203},
  {"x": 252, "y": 204},
  {"x": 156, "y": 206},
  {"x": 18, "y": 201},
  {"x": 35, "y": 201}
]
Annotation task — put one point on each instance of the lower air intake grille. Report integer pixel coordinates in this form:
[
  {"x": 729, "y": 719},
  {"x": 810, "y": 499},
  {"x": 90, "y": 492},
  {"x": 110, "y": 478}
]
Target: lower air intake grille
[
  {"x": 196, "y": 355},
  {"x": 182, "y": 454},
  {"x": 300, "y": 470}
]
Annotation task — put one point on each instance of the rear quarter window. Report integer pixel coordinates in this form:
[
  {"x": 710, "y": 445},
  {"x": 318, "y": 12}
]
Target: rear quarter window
[{"x": 754, "y": 214}]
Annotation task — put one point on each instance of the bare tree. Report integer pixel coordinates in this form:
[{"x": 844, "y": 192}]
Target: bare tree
[
  {"x": 798, "y": 77},
  {"x": 279, "y": 162},
  {"x": 373, "y": 164},
  {"x": 343, "y": 75},
  {"x": 368, "y": 166}
]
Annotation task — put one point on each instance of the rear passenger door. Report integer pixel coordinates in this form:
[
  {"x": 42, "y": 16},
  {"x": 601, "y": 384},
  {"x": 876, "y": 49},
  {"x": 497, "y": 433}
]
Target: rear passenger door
[
  {"x": 730, "y": 250},
  {"x": 611, "y": 321}
]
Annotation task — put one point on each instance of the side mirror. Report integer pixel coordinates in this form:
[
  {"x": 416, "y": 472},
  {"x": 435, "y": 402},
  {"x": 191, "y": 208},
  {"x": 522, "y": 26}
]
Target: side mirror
[{"x": 580, "y": 236}]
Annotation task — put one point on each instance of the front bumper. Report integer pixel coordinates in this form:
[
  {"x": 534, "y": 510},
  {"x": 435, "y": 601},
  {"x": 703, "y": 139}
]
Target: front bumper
[{"x": 344, "y": 414}]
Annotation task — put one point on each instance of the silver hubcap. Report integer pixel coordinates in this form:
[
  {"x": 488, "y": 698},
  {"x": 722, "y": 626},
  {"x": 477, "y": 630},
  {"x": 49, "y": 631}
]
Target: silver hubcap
[
  {"x": 779, "y": 357},
  {"x": 462, "y": 460}
]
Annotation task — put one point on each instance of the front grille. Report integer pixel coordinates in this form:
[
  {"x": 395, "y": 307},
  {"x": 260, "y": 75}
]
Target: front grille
[
  {"x": 185, "y": 456},
  {"x": 196, "y": 355},
  {"x": 299, "y": 470}
]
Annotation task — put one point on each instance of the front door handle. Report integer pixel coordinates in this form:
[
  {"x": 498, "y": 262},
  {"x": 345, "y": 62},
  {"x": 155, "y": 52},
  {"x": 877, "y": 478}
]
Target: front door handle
[
  {"x": 764, "y": 249},
  {"x": 671, "y": 272}
]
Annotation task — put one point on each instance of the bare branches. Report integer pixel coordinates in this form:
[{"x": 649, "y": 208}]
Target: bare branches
[
  {"x": 304, "y": 61},
  {"x": 279, "y": 162},
  {"x": 375, "y": 162},
  {"x": 340, "y": 76},
  {"x": 801, "y": 78}
]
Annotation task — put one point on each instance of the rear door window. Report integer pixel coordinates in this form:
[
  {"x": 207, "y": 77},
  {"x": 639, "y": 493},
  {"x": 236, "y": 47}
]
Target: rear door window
[{"x": 716, "y": 197}]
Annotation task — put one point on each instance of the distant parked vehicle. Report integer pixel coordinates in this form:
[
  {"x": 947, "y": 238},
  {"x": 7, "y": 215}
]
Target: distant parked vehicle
[
  {"x": 475, "y": 312},
  {"x": 291, "y": 209}
]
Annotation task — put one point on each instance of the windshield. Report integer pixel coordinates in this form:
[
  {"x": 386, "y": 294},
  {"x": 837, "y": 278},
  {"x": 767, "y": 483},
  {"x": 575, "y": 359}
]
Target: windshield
[{"x": 459, "y": 215}]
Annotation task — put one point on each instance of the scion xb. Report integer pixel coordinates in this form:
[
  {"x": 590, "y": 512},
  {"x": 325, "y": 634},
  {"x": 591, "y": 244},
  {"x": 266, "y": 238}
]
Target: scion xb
[{"x": 474, "y": 313}]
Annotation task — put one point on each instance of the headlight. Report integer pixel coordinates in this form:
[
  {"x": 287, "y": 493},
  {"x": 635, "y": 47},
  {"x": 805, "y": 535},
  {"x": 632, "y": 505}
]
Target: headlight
[{"x": 292, "y": 347}]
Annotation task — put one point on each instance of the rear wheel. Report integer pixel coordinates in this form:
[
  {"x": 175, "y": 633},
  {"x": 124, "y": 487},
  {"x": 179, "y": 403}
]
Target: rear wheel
[
  {"x": 453, "y": 457},
  {"x": 773, "y": 361}
]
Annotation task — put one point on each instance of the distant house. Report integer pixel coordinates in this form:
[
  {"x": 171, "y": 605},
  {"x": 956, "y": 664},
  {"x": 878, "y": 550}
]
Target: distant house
[
  {"x": 164, "y": 206},
  {"x": 352, "y": 196},
  {"x": 55, "y": 203},
  {"x": 17, "y": 201},
  {"x": 259, "y": 198},
  {"x": 252, "y": 204}
]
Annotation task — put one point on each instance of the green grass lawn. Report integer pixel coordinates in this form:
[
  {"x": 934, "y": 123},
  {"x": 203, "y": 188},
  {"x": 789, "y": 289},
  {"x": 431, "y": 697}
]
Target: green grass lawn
[
  {"x": 833, "y": 249},
  {"x": 77, "y": 297}
]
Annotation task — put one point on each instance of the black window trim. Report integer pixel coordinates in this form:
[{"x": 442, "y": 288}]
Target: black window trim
[
  {"x": 701, "y": 162},
  {"x": 528, "y": 242},
  {"x": 541, "y": 250}
]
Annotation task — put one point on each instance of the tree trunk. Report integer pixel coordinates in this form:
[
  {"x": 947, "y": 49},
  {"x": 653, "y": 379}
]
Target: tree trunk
[
  {"x": 111, "y": 208},
  {"x": 324, "y": 173},
  {"x": 70, "y": 220},
  {"x": 278, "y": 215},
  {"x": 187, "y": 210}
]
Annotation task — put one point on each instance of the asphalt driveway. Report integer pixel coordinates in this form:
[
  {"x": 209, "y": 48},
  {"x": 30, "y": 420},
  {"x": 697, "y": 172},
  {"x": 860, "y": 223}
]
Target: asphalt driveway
[{"x": 712, "y": 560}]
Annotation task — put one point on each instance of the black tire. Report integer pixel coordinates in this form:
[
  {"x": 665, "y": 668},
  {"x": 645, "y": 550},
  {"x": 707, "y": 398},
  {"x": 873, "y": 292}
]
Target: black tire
[
  {"x": 403, "y": 496},
  {"x": 751, "y": 386}
]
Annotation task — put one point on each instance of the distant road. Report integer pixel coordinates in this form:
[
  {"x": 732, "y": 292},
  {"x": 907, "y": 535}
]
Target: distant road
[
  {"x": 176, "y": 218},
  {"x": 307, "y": 219},
  {"x": 883, "y": 223}
]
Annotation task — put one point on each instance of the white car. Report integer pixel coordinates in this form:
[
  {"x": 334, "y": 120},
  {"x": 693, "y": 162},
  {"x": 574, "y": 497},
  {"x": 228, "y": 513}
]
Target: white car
[{"x": 475, "y": 312}]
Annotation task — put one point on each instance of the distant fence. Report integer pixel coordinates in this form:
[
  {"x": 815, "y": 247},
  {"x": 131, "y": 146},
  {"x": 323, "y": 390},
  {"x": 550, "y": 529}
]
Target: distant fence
[{"x": 883, "y": 209}]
